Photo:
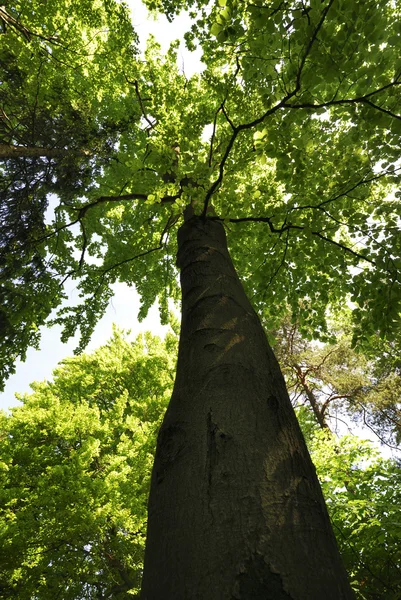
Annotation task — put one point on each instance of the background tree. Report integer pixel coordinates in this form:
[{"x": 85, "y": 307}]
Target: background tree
[
  {"x": 336, "y": 381},
  {"x": 362, "y": 493},
  {"x": 75, "y": 468},
  {"x": 61, "y": 110}
]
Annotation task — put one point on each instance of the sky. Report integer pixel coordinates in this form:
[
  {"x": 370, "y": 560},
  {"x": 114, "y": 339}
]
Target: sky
[
  {"x": 165, "y": 33},
  {"x": 123, "y": 309}
]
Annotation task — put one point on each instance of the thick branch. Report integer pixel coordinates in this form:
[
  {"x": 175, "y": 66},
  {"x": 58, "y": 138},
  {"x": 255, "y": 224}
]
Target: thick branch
[
  {"x": 318, "y": 234},
  {"x": 358, "y": 100},
  {"x": 8, "y": 151},
  {"x": 319, "y": 414},
  {"x": 11, "y": 22}
]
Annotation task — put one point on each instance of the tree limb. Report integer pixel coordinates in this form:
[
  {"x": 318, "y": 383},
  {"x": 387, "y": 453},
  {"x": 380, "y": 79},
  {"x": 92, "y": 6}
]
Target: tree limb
[{"x": 318, "y": 234}]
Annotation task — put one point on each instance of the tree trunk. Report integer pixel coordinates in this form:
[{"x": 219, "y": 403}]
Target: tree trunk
[
  {"x": 235, "y": 509},
  {"x": 317, "y": 410},
  {"x": 8, "y": 151}
]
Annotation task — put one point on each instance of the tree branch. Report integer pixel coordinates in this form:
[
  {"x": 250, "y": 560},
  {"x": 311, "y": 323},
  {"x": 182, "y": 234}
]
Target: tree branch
[
  {"x": 82, "y": 210},
  {"x": 318, "y": 234},
  {"x": 343, "y": 247},
  {"x": 360, "y": 99},
  {"x": 140, "y": 100},
  {"x": 213, "y": 135},
  {"x": 170, "y": 223},
  {"x": 316, "y": 368},
  {"x": 365, "y": 422},
  {"x": 272, "y": 110},
  {"x": 349, "y": 190},
  {"x": 282, "y": 262},
  {"x": 310, "y": 44}
]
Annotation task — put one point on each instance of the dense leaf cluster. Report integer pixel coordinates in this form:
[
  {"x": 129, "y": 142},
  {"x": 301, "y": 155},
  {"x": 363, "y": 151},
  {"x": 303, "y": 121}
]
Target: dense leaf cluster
[{"x": 75, "y": 468}]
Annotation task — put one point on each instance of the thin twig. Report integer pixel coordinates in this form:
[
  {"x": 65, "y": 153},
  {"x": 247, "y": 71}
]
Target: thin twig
[
  {"x": 138, "y": 95},
  {"x": 213, "y": 135}
]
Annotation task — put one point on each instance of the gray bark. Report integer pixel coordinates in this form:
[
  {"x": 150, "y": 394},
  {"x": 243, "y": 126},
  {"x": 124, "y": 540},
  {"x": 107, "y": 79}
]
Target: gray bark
[{"x": 235, "y": 509}]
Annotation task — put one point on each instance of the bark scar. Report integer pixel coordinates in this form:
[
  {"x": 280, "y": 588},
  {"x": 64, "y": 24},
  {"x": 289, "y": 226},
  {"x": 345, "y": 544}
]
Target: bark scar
[
  {"x": 212, "y": 452},
  {"x": 171, "y": 443}
]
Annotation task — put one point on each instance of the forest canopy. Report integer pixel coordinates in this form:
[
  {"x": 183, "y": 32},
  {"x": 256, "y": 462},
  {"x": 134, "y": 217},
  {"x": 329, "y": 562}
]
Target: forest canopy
[
  {"x": 278, "y": 166},
  {"x": 290, "y": 135}
]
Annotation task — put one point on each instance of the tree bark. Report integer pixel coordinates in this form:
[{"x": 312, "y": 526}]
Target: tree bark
[
  {"x": 235, "y": 509},
  {"x": 8, "y": 151},
  {"x": 317, "y": 410}
]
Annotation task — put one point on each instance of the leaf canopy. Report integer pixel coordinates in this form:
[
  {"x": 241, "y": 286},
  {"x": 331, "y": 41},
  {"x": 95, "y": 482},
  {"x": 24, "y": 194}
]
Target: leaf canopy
[
  {"x": 75, "y": 463},
  {"x": 290, "y": 134}
]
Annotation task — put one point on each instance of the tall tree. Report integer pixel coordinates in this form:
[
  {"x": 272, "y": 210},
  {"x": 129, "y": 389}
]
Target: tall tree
[
  {"x": 232, "y": 472},
  {"x": 290, "y": 138}
]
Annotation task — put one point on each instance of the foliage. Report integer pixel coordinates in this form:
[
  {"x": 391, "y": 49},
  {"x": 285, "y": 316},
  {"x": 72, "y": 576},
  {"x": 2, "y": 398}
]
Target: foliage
[
  {"x": 291, "y": 130},
  {"x": 75, "y": 467},
  {"x": 61, "y": 109},
  {"x": 362, "y": 492}
]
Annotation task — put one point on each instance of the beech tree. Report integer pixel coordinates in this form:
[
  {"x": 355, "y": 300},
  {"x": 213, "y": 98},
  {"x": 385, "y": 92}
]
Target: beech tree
[{"x": 286, "y": 145}]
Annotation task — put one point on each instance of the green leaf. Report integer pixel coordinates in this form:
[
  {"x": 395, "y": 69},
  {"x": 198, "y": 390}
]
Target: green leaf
[
  {"x": 258, "y": 135},
  {"x": 215, "y": 29},
  {"x": 78, "y": 451},
  {"x": 223, "y": 35}
]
